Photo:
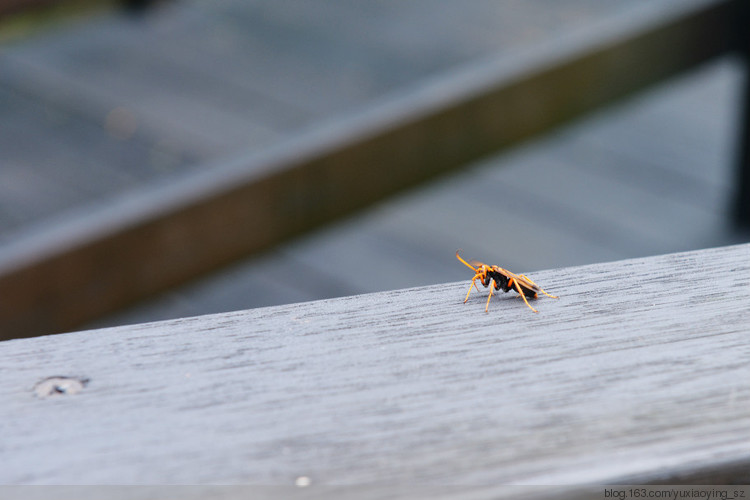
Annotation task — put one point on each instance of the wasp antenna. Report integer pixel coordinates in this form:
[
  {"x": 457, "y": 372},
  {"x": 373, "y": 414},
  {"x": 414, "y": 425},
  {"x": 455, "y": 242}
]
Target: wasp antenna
[{"x": 465, "y": 263}]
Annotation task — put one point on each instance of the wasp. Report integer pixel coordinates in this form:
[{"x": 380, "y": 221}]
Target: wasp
[{"x": 498, "y": 278}]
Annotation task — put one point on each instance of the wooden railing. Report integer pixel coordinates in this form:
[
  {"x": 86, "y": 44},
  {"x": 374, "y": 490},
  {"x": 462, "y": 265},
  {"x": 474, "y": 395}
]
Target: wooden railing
[{"x": 637, "y": 374}]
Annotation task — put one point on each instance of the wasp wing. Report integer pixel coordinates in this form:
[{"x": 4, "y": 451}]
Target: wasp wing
[{"x": 529, "y": 287}]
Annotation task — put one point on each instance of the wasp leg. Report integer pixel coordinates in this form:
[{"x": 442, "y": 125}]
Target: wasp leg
[
  {"x": 473, "y": 283},
  {"x": 487, "y": 307},
  {"x": 540, "y": 288},
  {"x": 520, "y": 292}
]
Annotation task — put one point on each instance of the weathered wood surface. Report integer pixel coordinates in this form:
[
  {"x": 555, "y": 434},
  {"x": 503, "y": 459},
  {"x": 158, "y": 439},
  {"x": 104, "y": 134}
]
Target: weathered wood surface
[
  {"x": 69, "y": 274},
  {"x": 638, "y": 373}
]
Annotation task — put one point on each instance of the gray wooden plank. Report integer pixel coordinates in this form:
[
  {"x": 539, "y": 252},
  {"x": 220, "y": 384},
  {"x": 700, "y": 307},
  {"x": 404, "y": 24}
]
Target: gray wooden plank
[
  {"x": 407, "y": 243},
  {"x": 54, "y": 157},
  {"x": 368, "y": 492},
  {"x": 638, "y": 225},
  {"x": 266, "y": 280},
  {"x": 62, "y": 96},
  {"x": 348, "y": 53},
  {"x": 176, "y": 104},
  {"x": 635, "y": 372},
  {"x": 700, "y": 154},
  {"x": 218, "y": 70}
]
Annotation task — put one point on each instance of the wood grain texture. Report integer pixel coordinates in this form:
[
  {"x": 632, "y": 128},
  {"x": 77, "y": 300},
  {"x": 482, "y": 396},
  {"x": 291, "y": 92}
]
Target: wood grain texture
[
  {"x": 638, "y": 372},
  {"x": 112, "y": 257}
]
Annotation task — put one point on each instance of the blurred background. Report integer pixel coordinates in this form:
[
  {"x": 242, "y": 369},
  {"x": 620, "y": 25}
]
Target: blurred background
[{"x": 101, "y": 102}]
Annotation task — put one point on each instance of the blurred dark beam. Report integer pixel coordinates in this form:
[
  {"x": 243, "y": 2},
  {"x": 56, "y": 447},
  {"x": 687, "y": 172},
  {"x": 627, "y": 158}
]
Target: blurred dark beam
[
  {"x": 742, "y": 197},
  {"x": 10, "y": 7}
]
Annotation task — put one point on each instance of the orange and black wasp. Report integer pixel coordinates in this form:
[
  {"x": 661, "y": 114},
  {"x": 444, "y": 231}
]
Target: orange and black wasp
[{"x": 498, "y": 278}]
